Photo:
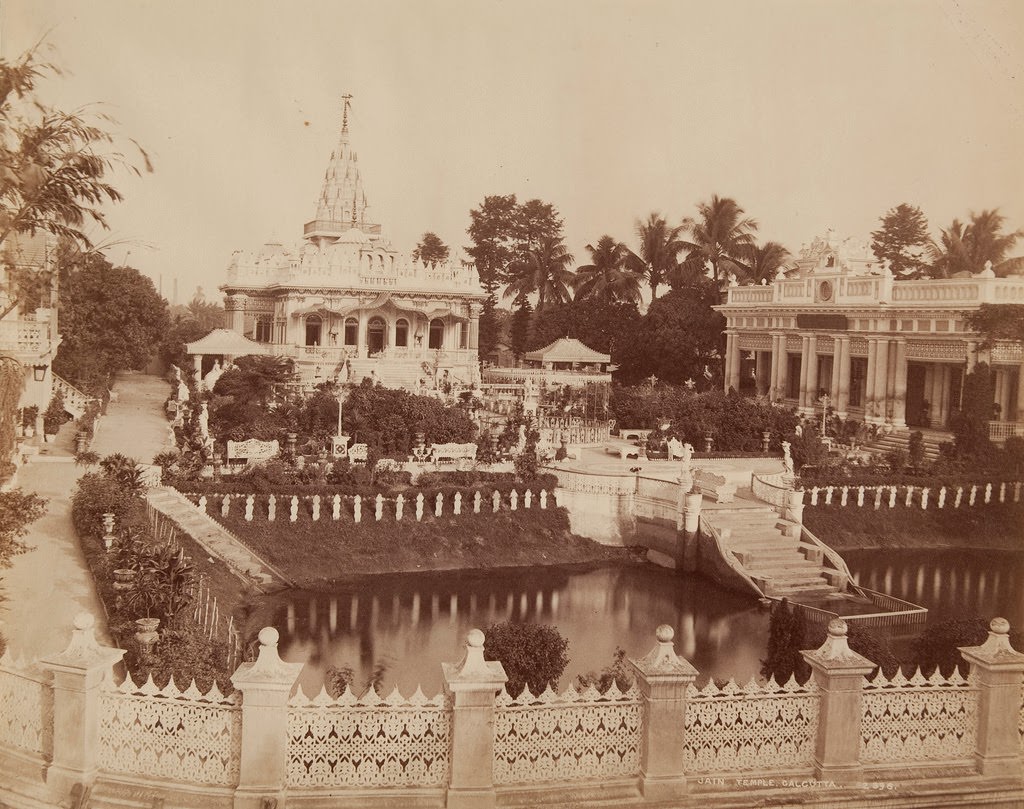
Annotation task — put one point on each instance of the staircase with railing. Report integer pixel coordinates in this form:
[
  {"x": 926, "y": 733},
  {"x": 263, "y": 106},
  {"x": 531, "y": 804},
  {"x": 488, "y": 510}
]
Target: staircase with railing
[{"x": 75, "y": 401}]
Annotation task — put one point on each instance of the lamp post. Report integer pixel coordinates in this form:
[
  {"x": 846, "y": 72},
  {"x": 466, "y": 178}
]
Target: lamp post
[{"x": 825, "y": 400}]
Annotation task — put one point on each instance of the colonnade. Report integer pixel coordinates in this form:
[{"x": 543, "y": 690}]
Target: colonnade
[{"x": 880, "y": 385}]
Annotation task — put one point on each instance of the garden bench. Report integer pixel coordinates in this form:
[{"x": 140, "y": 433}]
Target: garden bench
[
  {"x": 452, "y": 453},
  {"x": 634, "y": 435},
  {"x": 623, "y": 451},
  {"x": 357, "y": 453},
  {"x": 715, "y": 486}
]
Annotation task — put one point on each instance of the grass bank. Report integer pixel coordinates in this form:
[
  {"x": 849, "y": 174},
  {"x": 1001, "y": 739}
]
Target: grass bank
[
  {"x": 317, "y": 554},
  {"x": 994, "y": 526}
]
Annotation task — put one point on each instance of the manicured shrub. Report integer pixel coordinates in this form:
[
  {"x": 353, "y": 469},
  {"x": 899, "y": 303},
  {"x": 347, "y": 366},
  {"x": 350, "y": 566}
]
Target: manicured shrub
[
  {"x": 787, "y": 636},
  {"x": 533, "y": 655},
  {"x": 936, "y": 647}
]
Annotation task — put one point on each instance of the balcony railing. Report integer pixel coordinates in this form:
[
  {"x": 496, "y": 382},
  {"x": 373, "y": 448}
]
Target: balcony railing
[
  {"x": 1001, "y": 430},
  {"x": 24, "y": 335}
]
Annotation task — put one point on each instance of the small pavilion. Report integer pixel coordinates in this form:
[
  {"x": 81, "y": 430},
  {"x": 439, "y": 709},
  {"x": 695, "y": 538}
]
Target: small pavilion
[
  {"x": 568, "y": 354},
  {"x": 222, "y": 346}
]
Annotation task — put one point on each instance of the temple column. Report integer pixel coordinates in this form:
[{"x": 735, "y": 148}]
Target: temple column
[
  {"x": 732, "y": 362},
  {"x": 475, "y": 309},
  {"x": 869, "y": 391},
  {"x": 773, "y": 387},
  {"x": 812, "y": 372},
  {"x": 843, "y": 394},
  {"x": 899, "y": 410},
  {"x": 761, "y": 361},
  {"x": 361, "y": 334},
  {"x": 197, "y": 367},
  {"x": 937, "y": 395},
  {"x": 783, "y": 367},
  {"x": 234, "y": 306},
  {"x": 805, "y": 340},
  {"x": 1005, "y": 398},
  {"x": 881, "y": 379}
]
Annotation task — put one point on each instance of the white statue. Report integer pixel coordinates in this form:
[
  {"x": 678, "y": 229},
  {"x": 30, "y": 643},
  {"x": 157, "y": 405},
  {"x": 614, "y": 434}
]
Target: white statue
[
  {"x": 787, "y": 459},
  {"x": 521, "y": 443},
  {"x": 211, "y": 378},
  {"x": 204, "y": 423}
]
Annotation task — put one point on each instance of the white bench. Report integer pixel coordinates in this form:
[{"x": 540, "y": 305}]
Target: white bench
[
  {"x": 452, "y": 452},
  {"x": 624, "y": 451},
  {"x": 715, "y": 486}
]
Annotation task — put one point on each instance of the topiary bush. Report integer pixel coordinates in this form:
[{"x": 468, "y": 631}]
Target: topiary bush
[{"x": 533, "y": 655}]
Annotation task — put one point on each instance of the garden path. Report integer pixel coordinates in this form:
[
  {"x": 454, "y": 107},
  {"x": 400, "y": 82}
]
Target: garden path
[
  {"x": 135, "y": 424},
  {"x": 46, "y": 587}
]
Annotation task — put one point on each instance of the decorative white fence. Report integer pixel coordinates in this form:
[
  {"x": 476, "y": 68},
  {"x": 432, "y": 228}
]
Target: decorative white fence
[
  {"x": 368, "y": 741},
  {"x": 358, "y": 508},
  {"x": 567, "y": 737},
  {"x": 663, "y": 732},
  {"x": 26, "y": 706},
  {"x": 771, "y": 488},
  {"x": 753, "y": 727},
  {"x": 168, "y": 733},
  {"x": 918, "y": 719},
  {"x": 908, "y": 495}
]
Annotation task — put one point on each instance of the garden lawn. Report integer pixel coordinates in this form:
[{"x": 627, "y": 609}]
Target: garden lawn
[
  {"x": 992, "y": 526},
  {"x": 316, "y": 554}
]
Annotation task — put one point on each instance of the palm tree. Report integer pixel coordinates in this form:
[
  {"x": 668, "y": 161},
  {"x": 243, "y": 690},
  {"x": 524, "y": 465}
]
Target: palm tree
[
  {"x": 719, "y": 236},
  {"x": 607, "y": 276},
  {"x": 969, "y": 247},
  {"x": 546, "y": 272},
  {"x": 762, "y": 263},
  {"x": 659, "y": 251}
]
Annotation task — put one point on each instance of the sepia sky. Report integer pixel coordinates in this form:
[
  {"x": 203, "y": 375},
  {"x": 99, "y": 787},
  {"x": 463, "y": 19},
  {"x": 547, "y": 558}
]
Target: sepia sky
[{"x": 811, "y": 113}]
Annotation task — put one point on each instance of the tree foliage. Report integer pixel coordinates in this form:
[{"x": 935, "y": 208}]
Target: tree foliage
[
  {"x": 678, "y": 337},
  {"x": 112, "y": 319},
  {"x": 968, "y": 247},
  {"x": 544, "y": 271},
  {"x": 18, "y": 510},
  {"x": 658, "y": 257},
  {"x": 761, "y": 263},
  {"x": 52, "y": 163},
  {"x": 430, "y": 249},
  {"x": 787, "y": 636},
  {"x": 997, "y": 321},
  {"x": 604, "y": 326},
  {"x": 902, "y": 240},
  {"x": 970, "y": 423},
  {"x": 937, "y": 646},
  {"x": 718, "y": 237},
  {"x": 609, "y": 276},
  {"x": 533, "y": 655}
]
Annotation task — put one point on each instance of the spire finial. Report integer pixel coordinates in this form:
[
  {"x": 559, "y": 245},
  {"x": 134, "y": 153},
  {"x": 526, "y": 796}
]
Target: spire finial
[{"x": 347, "y": 98}]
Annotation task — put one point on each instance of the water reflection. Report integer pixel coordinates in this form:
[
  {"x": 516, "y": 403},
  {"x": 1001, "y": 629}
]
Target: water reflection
[
  {"x": 950, "y": 583},
  {"x": 413, "y": 622},
  {"x": 410, "y": 623}
]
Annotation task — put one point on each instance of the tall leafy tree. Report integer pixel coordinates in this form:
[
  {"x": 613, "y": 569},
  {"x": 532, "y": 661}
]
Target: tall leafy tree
[
  {"x": 112, "y": 319},
  {"x": 719, "y": 236},
  {"x": 493, "y": 233},
  {"x": 520, "y": 328},
  {"x": 677, "y": 339},
  {"x": 545, "y": 272},
  {"x": 902, "y": 240},
  {"x": 660, "y": 245},
  {"x": 970, "y": 246},
  {"x": 759, "y": 263},
  {"x": 431, "y": 250},
  {"x": 608, "y": 276}
]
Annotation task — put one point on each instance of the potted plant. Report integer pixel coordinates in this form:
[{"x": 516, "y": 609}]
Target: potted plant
[{"x": 28, "y": 420}]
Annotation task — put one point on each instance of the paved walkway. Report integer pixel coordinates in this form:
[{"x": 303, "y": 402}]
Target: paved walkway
[{"x": 46, "y": 587}]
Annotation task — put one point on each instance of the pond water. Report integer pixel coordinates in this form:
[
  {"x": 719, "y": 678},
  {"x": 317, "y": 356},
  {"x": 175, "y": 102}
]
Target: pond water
[{"x": 408, "y": 624}]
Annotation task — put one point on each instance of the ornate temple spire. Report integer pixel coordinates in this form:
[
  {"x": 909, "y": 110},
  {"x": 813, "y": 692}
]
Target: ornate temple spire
[{"x": 342, "y": 203}]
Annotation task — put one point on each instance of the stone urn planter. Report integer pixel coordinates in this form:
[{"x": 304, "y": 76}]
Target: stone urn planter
[
  {"x": 81, "y": 441},
  {"x": 147, "y": 635},
  {"x": 708, "y": 441},
  {"x": 124, "y": 578}
]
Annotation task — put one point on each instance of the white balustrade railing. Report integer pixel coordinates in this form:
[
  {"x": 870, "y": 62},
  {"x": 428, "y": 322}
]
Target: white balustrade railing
[
  {"x": 918, "y": 719},
  {"x": 26, "y": 707},
  {"x": 169, "y": 733},
  {"x": 911, "y": 496},
  {"x": 570, "y": 736},
  {"x": 753, "y": 727},
  {"x": 771, "y": 488},
  {"x": 1001, "y": 430},
  {"x": 368, "y": 741}
]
